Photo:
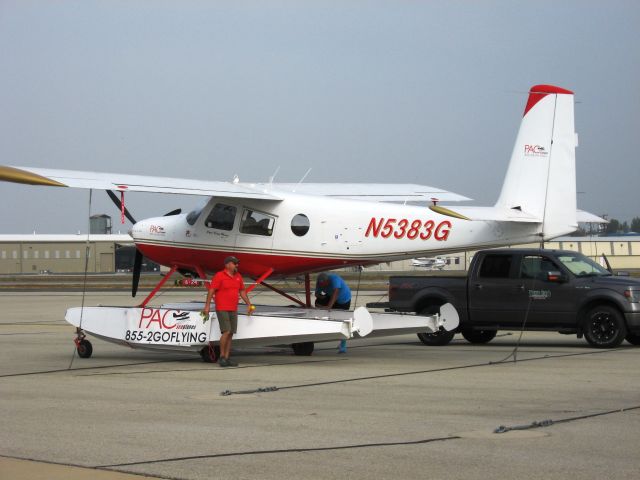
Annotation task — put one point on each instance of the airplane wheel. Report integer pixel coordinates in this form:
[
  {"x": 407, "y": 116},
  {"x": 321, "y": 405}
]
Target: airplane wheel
[
  {"x": 84, "y": 348},
  {"x": 210, "y": 354},
  {"x": 304, "y": 349}
]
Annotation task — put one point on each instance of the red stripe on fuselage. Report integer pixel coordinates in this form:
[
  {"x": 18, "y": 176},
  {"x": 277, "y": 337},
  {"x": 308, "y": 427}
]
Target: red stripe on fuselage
[{"x": 251, "y": 264}]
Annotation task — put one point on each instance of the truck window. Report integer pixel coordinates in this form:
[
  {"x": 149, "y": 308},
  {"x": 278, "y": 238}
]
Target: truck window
[
  {"x": 536, "y": 266},
  {"x": 495, "y": 266}
]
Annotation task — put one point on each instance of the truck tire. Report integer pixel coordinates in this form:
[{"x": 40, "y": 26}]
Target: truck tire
[
  {"x": 479, "y": 336},
  {"x": 633, "y": 338},
  {"x": 604, "y": 327},
  {"x": 436, "y": 339}
]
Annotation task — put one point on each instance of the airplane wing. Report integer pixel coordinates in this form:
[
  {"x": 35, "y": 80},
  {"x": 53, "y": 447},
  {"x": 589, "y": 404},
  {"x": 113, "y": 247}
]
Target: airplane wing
[
  {"x": 377, "y": 192},
  {"x": 129, "y": 183}
]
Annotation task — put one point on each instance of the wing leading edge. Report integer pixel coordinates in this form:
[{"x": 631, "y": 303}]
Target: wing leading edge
[{"x": 129, "y": 183}]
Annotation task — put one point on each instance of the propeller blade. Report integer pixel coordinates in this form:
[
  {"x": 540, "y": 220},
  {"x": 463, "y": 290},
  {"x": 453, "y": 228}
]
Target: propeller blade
[
  {"x": 177, "y": 211},
  {"x": 114, "y": 198},
  {"x": 137, "y": 267}
]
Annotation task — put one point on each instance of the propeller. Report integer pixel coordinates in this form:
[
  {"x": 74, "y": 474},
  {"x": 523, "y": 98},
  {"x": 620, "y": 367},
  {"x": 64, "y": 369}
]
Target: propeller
[{"x": 137, "y": 261}]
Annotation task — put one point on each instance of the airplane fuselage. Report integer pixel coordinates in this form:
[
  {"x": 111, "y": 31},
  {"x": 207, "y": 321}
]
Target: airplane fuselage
[{"x": 303, "y": 233}]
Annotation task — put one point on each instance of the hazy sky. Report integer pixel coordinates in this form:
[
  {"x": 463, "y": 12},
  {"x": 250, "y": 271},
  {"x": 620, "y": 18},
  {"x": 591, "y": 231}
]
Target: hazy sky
[{"x": 398, "y": 91}]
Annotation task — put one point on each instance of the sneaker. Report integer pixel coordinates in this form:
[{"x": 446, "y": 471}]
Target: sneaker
[
  {"x": 223, "y": 362},
  {"x": 231, "y": 363}
]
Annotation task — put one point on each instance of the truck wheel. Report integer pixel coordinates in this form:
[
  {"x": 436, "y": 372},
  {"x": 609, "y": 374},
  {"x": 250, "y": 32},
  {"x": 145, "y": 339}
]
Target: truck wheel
[
  {"x": 604, "y": 327},
  {"x": 304, "y": 349},
  {"x": 479, "y": 336},
  {"x": 633, "y": 338}
]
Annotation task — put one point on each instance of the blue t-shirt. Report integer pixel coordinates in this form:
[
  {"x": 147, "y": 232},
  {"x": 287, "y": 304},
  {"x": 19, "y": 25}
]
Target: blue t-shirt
[{"x": 335, "y": 281}]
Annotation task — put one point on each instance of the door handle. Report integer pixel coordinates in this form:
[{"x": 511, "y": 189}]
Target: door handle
[
  {"x": 478, "y": 286},
  {"x": 520, "y": 287}
]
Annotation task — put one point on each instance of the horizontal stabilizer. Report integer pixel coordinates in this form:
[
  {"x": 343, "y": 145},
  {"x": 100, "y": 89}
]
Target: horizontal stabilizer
[{"x": 586, "y": 217}]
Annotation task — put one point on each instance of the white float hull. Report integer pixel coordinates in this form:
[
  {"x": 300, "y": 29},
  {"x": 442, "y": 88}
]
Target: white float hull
[{"x": 180, "y": 326}]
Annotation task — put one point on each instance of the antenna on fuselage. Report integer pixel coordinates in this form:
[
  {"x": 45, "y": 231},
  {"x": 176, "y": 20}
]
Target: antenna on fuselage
[
  {"x": 273, "y": 177},
  {"x": 302, "y": 179}
]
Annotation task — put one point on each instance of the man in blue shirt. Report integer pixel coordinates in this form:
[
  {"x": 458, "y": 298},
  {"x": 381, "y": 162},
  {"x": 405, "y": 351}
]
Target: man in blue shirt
[{"x": 333, "y": 292}]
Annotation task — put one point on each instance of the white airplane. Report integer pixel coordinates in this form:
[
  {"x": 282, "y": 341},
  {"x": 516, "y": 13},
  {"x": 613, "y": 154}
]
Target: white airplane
[
  {"x": 437, "y": 263},
  {"x": 279, "y": 230}
]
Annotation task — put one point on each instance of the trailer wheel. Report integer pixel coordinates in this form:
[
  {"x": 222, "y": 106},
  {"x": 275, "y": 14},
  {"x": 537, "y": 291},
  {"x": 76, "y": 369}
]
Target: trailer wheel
[
  {"x": 436, "y": 339},
  {"x": 84, "y": 348},
  {"x": 479, "y": 336},
  {"x": 210, "y": 354},
  {"x": 604, "y": 327},
  {"x": 304, "y": 349},
  {"x": 633, "y": 338}
]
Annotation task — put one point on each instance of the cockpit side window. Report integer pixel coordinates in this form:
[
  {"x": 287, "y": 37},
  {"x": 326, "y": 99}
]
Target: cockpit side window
[
  {"x": 222, "y": 217},
  {"x": 257, "y": 223}
]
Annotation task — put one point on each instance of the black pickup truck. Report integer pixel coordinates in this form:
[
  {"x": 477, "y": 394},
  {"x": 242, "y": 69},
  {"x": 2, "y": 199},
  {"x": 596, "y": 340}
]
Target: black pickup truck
[{"x": 530, "y": 289}]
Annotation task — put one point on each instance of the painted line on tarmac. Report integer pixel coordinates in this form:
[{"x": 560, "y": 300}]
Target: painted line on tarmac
[{"x": 281, "y": 450}]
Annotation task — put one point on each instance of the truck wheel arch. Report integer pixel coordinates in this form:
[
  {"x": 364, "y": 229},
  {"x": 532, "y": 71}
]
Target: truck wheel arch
[{"x": 432, "y": 297}]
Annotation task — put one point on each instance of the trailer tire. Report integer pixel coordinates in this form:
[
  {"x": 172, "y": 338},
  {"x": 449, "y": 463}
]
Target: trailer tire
[
  {"x": 210, "y": 354},
  {"x": 84, "y": 348},
  {"x": 479, "y": 336},
  {"x": 604, "y": 327},
  {"x": 304, "y": 349},
  {"x": 435, "y": 339}
]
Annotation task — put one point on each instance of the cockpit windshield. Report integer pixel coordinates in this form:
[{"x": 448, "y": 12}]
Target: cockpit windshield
[
  {"x": 193, "y": 215},
  {"x": 582, "y": 266}
]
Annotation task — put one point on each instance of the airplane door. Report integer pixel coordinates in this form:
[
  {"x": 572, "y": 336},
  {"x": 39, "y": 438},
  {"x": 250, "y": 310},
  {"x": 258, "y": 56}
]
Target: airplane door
[
  {"x": 219, "y": 225},
  {"x": 495, "y": 296}
]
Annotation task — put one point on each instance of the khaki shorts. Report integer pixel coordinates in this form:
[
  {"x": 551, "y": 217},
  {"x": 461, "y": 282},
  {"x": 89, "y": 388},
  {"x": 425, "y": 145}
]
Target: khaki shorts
[{"x": 228, "y": 321}]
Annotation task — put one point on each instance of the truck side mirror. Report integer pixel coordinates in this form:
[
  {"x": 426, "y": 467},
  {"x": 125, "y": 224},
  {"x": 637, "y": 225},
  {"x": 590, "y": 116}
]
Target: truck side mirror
[{"x": 556, "y": 277}]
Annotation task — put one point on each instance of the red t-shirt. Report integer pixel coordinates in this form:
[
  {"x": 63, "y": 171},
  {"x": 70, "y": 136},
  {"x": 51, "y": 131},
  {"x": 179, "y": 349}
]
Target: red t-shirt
[{"x": 227, "y": 288}]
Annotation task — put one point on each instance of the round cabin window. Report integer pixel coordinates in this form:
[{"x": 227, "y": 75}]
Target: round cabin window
[{"x": 300, "y": 225}]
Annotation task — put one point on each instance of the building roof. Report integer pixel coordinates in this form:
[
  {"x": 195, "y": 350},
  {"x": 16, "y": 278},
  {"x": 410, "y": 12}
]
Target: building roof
[{"x": 64, "y": 238}]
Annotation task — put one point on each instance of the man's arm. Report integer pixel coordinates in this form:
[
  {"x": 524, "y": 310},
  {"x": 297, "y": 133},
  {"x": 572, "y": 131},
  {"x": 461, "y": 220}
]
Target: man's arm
[
  {"x": 333, "y": 299},
  {"x": 245, "y": 298}
]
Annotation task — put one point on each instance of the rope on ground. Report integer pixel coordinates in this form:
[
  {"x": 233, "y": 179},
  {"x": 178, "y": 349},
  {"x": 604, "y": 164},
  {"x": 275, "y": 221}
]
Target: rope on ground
[
  {"x": 87, "y": 252},
  {"x": 226, "y": 393},
  {"x": 549, "y": 422}
]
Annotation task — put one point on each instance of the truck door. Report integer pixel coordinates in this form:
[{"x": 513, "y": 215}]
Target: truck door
[
  {"x": 494, "y": 294},
  {"x": 550, "y": 303}
]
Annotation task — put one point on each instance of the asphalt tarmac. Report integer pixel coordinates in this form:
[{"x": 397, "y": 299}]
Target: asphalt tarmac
[{"x": 389, "y": 408}]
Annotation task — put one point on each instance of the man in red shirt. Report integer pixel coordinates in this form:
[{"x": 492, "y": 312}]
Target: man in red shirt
[{"x": 227, "y": 284}]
